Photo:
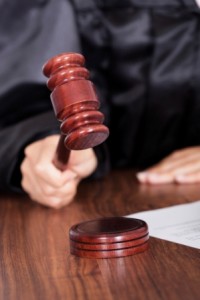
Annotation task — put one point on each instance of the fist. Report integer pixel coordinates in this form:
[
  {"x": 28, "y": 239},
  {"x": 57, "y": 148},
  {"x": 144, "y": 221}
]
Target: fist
[{"x": 47, "y": 185}]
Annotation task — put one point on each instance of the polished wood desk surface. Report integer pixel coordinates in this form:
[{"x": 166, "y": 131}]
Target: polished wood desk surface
[{"x": 35, "y": 262}]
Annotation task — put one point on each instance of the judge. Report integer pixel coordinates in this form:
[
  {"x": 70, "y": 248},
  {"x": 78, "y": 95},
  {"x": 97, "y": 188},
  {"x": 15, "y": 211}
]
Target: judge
[{"x": 144, "y": 59}]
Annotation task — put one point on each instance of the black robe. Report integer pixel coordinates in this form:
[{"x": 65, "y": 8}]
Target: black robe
[
  {"x": 31, "y": 32},
  {"x": 144, "y": 58}
]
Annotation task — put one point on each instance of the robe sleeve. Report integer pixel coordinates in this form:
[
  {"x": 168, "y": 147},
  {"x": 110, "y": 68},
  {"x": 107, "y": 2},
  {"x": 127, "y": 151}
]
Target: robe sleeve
[{"x": 30, "y": 34}]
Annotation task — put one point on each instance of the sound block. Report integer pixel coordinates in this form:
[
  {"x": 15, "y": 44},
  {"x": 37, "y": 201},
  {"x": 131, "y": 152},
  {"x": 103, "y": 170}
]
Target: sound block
[{"x": 109, "y": 237}]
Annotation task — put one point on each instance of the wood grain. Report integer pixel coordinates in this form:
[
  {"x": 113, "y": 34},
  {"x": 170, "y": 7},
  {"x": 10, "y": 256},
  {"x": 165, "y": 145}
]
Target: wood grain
[{"x": 35, "y": 259}]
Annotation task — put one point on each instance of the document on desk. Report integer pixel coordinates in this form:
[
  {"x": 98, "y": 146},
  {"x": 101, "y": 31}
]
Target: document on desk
[{"x": 179, "y": 224}]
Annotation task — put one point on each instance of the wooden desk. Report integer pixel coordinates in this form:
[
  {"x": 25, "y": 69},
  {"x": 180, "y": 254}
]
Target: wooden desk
[{"x": 35, "y": 262}]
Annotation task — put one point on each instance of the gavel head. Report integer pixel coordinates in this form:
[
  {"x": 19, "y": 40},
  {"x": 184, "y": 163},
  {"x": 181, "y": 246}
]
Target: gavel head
[{"x": 75, "y": 102}]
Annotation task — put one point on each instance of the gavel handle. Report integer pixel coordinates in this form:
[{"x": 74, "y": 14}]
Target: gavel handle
[{"x": 62, "y": 154}]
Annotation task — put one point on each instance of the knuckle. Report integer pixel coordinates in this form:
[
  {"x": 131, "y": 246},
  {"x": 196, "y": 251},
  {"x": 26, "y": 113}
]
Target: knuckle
[
  {"x": 72, "y": 190},
  {"x": 23, "y": 183},
  {"x": 25, "y": 186},
  {"x": 47, "y": 190},
  {"x": 27, "y": 151},
  {"x": 57, "y": 184},
  {"x": 23, "y": 167},
  {"x": 39, "y": 169}
]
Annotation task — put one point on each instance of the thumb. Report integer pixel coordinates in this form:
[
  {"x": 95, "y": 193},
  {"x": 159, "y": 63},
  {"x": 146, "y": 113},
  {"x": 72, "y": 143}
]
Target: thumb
[{"x": 83, "y": 162}]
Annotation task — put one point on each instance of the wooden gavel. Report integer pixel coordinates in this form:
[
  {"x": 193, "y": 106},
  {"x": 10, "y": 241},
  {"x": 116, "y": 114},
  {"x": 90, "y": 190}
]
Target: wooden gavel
[{"x": 75, "y": 104}]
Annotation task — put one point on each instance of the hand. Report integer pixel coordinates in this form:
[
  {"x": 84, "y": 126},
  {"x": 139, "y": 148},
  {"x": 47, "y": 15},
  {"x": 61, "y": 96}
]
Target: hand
[
  {"x": 182, "y": 166},
  {"x": 47, "y": 185}
]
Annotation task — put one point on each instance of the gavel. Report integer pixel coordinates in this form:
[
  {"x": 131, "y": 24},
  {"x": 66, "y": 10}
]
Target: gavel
[{"x": 75, "y": 104}]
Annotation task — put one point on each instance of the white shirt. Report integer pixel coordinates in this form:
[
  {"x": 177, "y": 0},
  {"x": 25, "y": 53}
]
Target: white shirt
[{"x": 198, "y": 2}]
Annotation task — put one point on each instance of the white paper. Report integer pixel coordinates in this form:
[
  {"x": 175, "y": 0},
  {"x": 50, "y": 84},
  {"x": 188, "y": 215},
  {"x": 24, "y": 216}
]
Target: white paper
[{"x": 179, "y": 224}]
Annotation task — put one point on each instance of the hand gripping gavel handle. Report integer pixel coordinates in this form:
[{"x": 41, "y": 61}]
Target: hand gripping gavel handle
[{"x": 75, "y": 104}]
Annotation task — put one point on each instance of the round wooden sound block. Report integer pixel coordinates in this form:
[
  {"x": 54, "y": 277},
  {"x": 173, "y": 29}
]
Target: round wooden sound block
[{"x": 109, "y": 237}]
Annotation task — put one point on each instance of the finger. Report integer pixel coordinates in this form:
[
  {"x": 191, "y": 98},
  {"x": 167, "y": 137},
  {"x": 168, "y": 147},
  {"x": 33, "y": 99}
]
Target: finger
[
  {"x": 40, "y": 154},
  {"x": 57, "y": 198},
  {"x": 176, "y": 160},
  {"x": 83, "y": 162},
  {"x": 160, "y": 179},
  {"x": 165, "y": 170},
  {"x": 47, "y": 196},
  {"x": 44, "y": 168},
  {"x": 29, "y": 182},
  {"x": 52, "y": 177},
  {"x": 190, "y": 165},
  {"x": 155, "y": 177},
  {"x": 68, "y": 189},
  {"x": 188, "y": 178},
  {"x": 60, "y": 198}
]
